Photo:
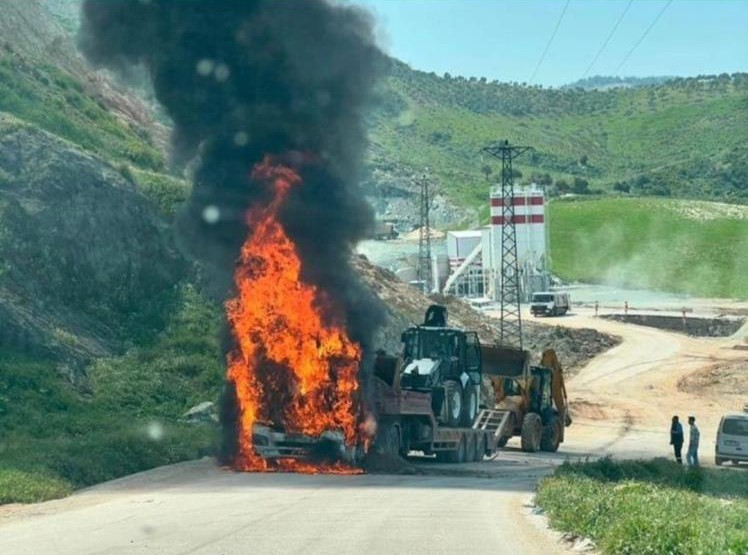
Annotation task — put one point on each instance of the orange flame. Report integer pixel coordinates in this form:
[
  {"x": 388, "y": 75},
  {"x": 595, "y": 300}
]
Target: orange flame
[{"x": 293, "y": 365}]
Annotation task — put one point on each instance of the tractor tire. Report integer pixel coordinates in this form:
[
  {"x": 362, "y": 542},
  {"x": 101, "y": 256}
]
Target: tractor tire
[
  {"x": 469, "y": 406},
  {"x": 458, "y": 455},
  {"x": 503, "y": 440},
  {"x": 453, "y": 400},
  {"x": 532, "y": 432},
  {"x": 551, "y": 437}
]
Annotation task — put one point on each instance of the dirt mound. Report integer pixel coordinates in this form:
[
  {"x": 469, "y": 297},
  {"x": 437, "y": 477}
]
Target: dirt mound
[
  {"x": 378, "y": 463},
  {"x": 697, "y": 327},
  {"x": 720, "y": 379},
  {"x": 588, "y": 410},
  {"x": 406, "y": 306}
]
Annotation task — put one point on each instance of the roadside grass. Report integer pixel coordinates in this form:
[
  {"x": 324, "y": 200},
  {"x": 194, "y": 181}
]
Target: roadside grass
[
  {"x": 17, "y": 486},
  {"x": 54, "y": 439},
  {"x": 659, "y": 244},
  {"x": 649, "y": 507}
]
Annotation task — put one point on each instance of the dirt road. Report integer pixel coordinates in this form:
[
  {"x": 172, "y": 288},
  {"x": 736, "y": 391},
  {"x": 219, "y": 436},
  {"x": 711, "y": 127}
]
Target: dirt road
[
  {"x": 622, "y": 403},
  {"x": 630, "y": 393}
]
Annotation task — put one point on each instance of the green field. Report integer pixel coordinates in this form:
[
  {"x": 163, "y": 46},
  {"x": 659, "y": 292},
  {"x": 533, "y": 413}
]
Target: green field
[
  {"x": 649, "y": 507},
  {"x": 672, "y": 245}
]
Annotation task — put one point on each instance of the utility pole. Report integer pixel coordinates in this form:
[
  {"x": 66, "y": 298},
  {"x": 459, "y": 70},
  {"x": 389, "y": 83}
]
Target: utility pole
[
  {"x": 424, "y": 275},
  {"x": 510, "y": 325}
]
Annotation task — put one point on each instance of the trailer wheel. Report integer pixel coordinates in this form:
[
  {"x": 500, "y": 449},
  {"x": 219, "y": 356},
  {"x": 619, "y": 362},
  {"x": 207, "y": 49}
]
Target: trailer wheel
[
  {"x": 453, "y": 400},
  {"x": 459, "y": 454},
  {"x": 470, "y": 448},
  {"x": 480, "y": 448},
  {"x": 532, "y": 431},
  {"x": 389, "y": 440},
  {"x": 470, "y": 406},
  {"x": 551, "y": 435}
]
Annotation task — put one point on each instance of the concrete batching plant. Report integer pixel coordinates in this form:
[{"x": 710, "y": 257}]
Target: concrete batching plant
[{"x": 473, "y": 266}]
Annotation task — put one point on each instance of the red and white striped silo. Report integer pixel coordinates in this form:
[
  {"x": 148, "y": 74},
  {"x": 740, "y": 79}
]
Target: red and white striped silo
[{"x": 530, "y": 224}]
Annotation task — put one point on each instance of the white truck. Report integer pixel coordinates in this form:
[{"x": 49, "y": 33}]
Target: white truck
[{"x": 549, "y": 303}]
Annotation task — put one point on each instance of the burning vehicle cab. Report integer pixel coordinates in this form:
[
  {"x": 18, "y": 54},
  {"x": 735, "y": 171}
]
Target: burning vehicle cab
[{"x": 274, "y": 444}]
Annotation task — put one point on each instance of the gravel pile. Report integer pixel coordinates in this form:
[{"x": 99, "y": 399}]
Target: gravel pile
[{"x": 406, "y": 307}]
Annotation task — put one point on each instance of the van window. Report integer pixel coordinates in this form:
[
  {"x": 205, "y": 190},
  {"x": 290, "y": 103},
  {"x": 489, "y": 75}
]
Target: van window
[{"x": 735, "y": 427}]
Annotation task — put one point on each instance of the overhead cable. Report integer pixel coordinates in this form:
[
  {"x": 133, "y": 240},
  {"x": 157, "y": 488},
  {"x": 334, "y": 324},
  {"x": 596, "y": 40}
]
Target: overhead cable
[
  {"x": 644, "y": 35},
  {"x": 548, "y": 44},
  {"x": 607, "y": 39}
]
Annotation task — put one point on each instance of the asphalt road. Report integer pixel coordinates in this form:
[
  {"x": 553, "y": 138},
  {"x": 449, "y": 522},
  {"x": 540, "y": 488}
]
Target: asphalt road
[{"x": 199, "y": 508}]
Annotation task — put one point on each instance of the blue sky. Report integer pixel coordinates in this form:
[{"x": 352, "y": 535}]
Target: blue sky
[{"x": 504, "y": 39}]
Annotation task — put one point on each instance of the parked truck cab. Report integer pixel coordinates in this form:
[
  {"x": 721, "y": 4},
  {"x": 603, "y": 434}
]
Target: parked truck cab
[{"x": 550, "y": 303}]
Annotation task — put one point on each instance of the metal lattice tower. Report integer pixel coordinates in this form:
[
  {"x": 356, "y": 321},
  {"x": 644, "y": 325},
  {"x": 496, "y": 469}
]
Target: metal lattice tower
[
  {"x": 510, "y": 325},
  {"x": 424, "y": 238}
]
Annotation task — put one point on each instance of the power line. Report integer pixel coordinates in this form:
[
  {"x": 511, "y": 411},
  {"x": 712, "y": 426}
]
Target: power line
[
  {"x": 644, "y": 35},
  {"x": 548, "y": 44},
  {"x": 605, "y": 43}
]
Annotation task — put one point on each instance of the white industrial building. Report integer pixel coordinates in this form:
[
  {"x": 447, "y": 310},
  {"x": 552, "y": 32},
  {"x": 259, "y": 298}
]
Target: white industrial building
[{"x": 473, "y": 261}]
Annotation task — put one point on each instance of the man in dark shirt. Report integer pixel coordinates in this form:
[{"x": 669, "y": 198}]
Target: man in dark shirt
[{"x": 676, "y": 438}]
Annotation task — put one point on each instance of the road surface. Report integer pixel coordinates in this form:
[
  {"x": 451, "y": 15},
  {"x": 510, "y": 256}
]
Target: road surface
[
  {"x": 622, "y": 403},
  {"x": 198, "y": 508}
]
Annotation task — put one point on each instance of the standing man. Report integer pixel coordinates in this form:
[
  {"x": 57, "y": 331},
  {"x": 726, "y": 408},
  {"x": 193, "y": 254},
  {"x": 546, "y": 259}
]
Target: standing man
[
  {"x": 676, "y": 438},
  {"x": 692, "y": 457}
]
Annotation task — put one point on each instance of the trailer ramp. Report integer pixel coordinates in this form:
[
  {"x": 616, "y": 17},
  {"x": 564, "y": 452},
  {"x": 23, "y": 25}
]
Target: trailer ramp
[{"x": 491, "y": 420}]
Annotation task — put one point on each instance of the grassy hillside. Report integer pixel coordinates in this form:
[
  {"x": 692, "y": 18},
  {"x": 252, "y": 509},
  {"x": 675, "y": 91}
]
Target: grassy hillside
[
  {"x": 674, "y": 245},
  {"x": 54, "y": 439},
  {"x": 686, "y": 137},
  {"x": 57, "y": 102}
]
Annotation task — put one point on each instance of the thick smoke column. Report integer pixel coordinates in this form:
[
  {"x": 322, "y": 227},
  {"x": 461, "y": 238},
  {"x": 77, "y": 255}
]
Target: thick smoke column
[{"x": 242, "y": 80}]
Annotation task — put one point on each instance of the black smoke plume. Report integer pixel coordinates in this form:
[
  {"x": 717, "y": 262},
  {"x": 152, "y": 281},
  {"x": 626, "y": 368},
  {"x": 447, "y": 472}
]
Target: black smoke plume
[{"x": 244, "y": 79}]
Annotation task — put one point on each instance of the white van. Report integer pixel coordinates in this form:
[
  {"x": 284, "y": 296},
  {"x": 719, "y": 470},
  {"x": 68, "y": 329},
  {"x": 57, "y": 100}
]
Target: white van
[
  {"x": 549, "y": 303},
  {"x": 732, "y": 439}
]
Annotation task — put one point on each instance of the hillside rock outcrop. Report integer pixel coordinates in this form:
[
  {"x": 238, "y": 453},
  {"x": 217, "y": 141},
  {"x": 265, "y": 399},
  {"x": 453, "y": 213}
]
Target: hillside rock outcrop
[{"x": 84, "y": 257}]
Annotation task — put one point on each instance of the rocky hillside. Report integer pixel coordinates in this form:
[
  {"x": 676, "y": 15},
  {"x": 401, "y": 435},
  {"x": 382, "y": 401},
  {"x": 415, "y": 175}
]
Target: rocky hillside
[{"x": 86, "y": 260}]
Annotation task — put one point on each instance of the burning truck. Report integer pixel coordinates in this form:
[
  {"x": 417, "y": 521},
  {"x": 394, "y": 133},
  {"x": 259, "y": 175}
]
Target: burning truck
[{"x": 268, "y": 102}]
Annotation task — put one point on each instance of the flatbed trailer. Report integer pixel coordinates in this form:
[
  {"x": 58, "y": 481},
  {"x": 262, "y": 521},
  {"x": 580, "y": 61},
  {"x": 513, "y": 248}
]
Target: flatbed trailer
[{"x": 407, "y": 422}]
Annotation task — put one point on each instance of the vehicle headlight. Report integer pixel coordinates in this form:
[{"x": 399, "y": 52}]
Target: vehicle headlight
[{"x": 260, "y": 440}]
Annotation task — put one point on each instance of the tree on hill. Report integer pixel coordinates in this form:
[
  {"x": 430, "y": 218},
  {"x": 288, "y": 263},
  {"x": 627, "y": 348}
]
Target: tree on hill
[{"x": 581, "y": 186}]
